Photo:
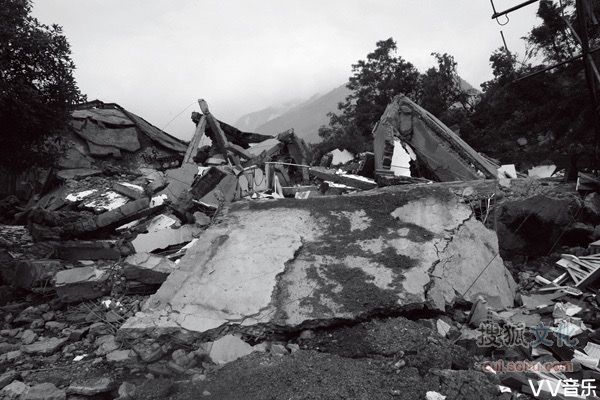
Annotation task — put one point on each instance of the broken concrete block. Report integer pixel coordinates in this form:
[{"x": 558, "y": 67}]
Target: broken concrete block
[
  {"x": 77, "y": 173},
  {"x": 99, "y": 150},
  {"x": 45, "y": 391},
  {"x": 15, "y": 390},
  {"x": 148, "y": 268},
  {"x": 394, "y": 249},
  {"x": 121, "y": 138},
  {"x": 179, "y": 181},
  {"x": 201, "y": 219},
  {"x": 46, "y": 346},
  {"x": 118, "y": 215},
  {"x": 147, "y": 242},
  {"x": 78, "y": 284},
  {"x": 128, "y": 189},
  {"x": 91, "y": 387},
  {"x": 161, "y": 222},
  {"x": 207, "y": 182},
  {"x": 8, "y": 377},
  {"x": 229, "y": 348},
  {"x": 121, "y": 356},
  {"x": 106, "y": 344},
  {"x": 88, "y": 250}
]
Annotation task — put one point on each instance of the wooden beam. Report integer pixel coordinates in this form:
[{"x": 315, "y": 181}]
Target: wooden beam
[
  {"x": 195, "y": 142},
  {"x": 220, "y": 137}
]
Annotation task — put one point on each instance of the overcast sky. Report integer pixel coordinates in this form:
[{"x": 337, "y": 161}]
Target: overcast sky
[{"x": 155, "y": 57}]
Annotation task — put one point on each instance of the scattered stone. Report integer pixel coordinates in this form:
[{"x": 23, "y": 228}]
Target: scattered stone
[
  {"x": 106, "y": 344},
  {"x": 15, "y": 390},
  {"x": 206, "y": 393},
  {"x": 29, "y": 337},
  {"x": 198, "y": 378},
  {"x": 229, "y": 348},
  {"x": 201, "y": 219},
  {"x": 183, "y": 359},
  {"x": 98, "y": 329},
  {"x": 293, "y": 347},
  {"x": 13, "y": 355},
  {"x": 92, "y": 387},
  {"x": 306, "y": 335},
  {"x": 434, "y": 396},
  {"x": 45, "y": 391},
  {"x": 45, "y": 347},
  {"x": 7, "y": 378},
  {"x": 37, "y": 324},
  {"x": 78, "y": 284},
  {"x": 126, "y": 391},
  {"x": 442, "y": 327},
  {"x": 48, "y": 316},
  {"x": 55, "y": 326},
  {"x": 278, "y": 350},
  {"x": 121, "y": 356},
  {"x": 8, "y": 347}
]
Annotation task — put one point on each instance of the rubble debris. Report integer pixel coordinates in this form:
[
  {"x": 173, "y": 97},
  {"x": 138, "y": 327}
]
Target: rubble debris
[
  {"x": 92, "y": 387},
  {"x": 29, "y": 274},
  {"x": 87, "y": 250},
  {"x": 583, "y": 270},
  {"x": 82, "y": 283},
  {"x": 14, "y": 390},
  {"x": 128, "y": 189},
  {"x": 229, "y": 256},
  {"x": 148, "y": 268},
  {"x": 228, "y": 348},
  {"x": 439, "y": 150},
  {"x": 148, "y": 242},
  {"x": 45, "y": 391},
  {"x": 45, "y": 346},
  {"x": 77, "y": 173},
  {"x": 356, "y": 181}
]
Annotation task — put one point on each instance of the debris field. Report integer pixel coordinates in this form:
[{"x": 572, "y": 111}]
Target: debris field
[{"x": 147, "y": 267}]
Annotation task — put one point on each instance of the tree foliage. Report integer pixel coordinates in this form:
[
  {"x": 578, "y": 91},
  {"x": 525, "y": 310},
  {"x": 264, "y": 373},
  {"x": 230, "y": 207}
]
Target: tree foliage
[
  {"x": 36, "y": 84},
  {"x": 374, "y": 83},
  {"x": 535, "y": 119}
]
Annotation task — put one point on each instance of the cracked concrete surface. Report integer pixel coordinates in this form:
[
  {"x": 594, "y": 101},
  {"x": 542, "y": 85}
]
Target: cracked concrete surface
[{"x": 289, "y": 262}]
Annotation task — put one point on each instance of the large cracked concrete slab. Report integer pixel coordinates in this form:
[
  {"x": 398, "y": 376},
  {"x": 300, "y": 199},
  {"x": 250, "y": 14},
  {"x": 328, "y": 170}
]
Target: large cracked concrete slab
[{"x": 291, "y": 263}]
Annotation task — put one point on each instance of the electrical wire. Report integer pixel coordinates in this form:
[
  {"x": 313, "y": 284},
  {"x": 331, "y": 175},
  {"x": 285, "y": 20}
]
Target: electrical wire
[{"x": 175, "y": 117}]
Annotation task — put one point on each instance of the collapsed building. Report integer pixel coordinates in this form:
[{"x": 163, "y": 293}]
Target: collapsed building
[{"x": 242, "y": 260}]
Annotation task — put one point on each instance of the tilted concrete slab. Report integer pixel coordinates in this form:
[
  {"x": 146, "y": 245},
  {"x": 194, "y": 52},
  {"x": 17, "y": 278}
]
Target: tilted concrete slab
[{"x": 290, "y": 263}]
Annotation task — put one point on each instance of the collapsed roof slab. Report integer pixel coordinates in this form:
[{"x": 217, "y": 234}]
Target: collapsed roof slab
[
  {"x": 289, "y": 264},
  {"x": 446, "y": 155}
]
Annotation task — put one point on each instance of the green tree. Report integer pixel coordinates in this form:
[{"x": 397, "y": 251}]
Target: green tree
[
  {"x": 37, "y": 86},
  {"x": 441, "y": 88},
  {"x": 535, "y": 119},
  {"x": 374, "y": 83}
]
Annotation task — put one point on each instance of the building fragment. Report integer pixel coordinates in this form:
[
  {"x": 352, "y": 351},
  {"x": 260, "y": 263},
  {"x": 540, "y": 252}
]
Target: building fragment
[{"x": 443, "y": 154}]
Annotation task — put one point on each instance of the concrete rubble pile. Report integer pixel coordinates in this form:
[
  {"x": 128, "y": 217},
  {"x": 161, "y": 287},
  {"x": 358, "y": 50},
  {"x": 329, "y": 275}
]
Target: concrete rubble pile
[{"x": 154, "y": 268}]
